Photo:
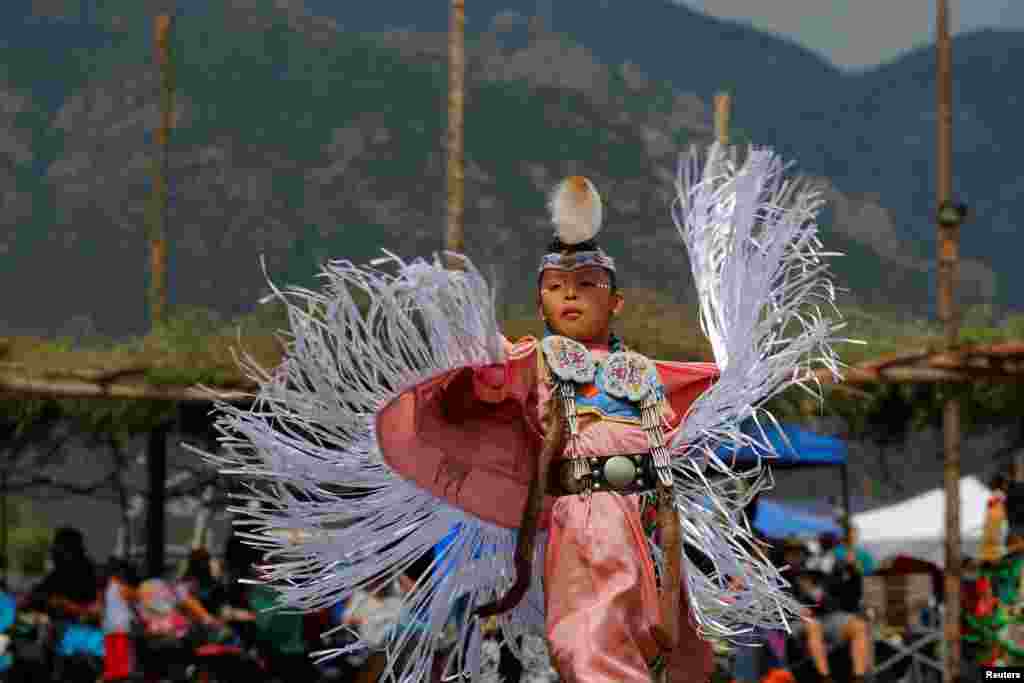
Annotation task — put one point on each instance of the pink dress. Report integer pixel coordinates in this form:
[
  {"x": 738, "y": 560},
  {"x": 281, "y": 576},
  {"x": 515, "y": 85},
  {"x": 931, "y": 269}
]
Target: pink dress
[
  {"x": 601, "y": 598},
  {"x": 599, "y": 583}
]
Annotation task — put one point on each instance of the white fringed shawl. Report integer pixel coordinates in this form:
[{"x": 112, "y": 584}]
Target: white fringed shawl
[{"x": 754, "y": 253}]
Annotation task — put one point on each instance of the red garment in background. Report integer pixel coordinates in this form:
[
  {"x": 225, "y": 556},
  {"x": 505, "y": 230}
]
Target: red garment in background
[{"x": 118, "y": 656}]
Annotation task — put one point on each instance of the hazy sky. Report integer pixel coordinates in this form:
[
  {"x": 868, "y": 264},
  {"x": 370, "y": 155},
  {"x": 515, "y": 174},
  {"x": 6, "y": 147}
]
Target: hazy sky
[{"x": 863, "y": 33}]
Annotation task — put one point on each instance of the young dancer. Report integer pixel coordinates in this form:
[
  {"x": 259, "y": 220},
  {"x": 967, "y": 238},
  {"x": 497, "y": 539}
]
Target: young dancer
[{"x": 385, "y": 428}]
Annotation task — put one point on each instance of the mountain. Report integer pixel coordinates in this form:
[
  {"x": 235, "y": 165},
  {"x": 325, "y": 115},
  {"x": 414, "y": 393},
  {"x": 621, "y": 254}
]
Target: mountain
[
  {"x": 893, "y": 151},
  {"x": 301, "y": 140},
  {"x": 871, "y": 133}
]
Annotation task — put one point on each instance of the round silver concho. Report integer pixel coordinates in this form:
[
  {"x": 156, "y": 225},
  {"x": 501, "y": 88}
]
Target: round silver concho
[{"x": 619, "y": 471}]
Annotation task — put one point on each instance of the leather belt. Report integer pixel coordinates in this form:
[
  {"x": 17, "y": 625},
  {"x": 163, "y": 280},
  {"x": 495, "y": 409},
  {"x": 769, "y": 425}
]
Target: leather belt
[{"x": 628, "y": 473}]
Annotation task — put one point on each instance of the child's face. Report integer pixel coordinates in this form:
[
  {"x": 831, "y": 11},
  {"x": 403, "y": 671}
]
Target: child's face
[{"x": 579, "y": 304}]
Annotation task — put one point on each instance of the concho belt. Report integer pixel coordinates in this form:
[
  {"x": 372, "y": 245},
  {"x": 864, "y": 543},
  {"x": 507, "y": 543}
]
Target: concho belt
[{"x": 630, "y": 473}]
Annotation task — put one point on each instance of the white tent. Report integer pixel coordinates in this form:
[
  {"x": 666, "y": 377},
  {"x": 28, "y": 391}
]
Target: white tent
[{"x": 916, "y": 527}]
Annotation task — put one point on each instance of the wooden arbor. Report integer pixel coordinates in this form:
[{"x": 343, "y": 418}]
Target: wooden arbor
[{"x": 152, "y": 373}]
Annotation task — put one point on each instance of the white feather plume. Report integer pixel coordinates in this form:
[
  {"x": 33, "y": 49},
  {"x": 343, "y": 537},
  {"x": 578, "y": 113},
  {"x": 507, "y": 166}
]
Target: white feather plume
[{"x": 576, "y": 210}]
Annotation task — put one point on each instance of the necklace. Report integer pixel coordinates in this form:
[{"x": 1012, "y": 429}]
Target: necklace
[{"x": 625, "y": 375}]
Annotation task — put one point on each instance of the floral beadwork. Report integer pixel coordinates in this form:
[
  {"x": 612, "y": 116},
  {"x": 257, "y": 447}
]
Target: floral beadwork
[
  {"x": 630, "y": 376},
  {"x": 569, "y": 360}
]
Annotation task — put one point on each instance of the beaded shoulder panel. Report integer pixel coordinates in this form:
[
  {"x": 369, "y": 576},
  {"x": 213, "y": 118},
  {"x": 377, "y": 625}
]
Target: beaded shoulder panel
[{"x": 568, "y": 359}]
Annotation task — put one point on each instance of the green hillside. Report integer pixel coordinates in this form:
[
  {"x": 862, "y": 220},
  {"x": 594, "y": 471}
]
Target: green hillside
[{"x": 301, "y": 150}]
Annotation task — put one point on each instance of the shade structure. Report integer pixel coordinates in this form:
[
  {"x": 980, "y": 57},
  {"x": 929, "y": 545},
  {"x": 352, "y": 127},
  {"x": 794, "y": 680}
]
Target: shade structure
[
  {"x": 916, "y": 527},
  {"x": 783, "y": 520},
  {"x": 792, "y": 446}
]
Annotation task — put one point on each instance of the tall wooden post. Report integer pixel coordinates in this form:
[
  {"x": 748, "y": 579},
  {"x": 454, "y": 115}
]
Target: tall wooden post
[
  {"x": 156, "y": 510},
  {"x": 947, "y": 267},
  {"x": 201, "y": 532},
  {"x": 4, "y": 520},
  {"x": 455, "y": 236},
  {"x": 157, "y": 218},
  {"x": 156, "y": 461},
  {"x": 723, "y": 105}
]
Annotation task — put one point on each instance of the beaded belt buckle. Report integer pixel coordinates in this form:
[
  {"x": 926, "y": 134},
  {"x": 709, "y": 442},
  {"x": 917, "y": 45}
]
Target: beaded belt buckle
[{"x": 629, "y": 473}]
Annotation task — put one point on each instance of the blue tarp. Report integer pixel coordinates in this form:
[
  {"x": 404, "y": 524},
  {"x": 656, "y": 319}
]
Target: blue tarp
[
  {"x": 793, "y": 447},
  {"x": 779, "y": 520},
  {"x": 805, "y": 449}
]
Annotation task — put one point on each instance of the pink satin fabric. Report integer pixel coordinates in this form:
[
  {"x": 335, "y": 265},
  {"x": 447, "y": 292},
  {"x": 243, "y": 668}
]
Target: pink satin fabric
[
  {"x": 599, "y": 582},
  {"x": 601, "y": 599}
]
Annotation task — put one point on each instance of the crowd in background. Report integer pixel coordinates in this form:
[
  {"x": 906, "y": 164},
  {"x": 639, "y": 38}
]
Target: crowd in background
[
  {"x": 827, "y": 577},
  {"x": 838, "y": 630},
  {"x": 993, "y": 595},
  {"x": 89, "y": 623},
  {"x": 109, "y": 623},
  {"x": 85, "y": 623}
]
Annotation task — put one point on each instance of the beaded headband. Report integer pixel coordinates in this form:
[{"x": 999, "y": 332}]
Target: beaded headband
[{"x": 569, "y": 261}]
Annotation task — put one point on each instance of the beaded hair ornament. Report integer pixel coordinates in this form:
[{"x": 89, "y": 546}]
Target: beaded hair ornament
[{"x": 576, "y": 212}]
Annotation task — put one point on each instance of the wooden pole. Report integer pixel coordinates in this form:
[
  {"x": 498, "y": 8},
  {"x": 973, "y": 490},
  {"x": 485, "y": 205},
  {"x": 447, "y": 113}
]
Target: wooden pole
[
  {"x": 156, "y": 511},
  {"x": 947, "y": 265},
  {"x": 3, "y": 529},
  {"x": 723, "y": 105},
  {"x": 124, "y": 536},
  {"x": 162, "y": 27},
  {"x": 455, "y": 235},
  {"x": 200, "y": 533},
  {"x": 844, "y": 472}
]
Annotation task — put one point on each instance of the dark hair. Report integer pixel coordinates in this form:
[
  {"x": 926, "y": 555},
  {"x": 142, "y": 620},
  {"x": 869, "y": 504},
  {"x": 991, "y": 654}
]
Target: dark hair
[
  {"x": 68, "y": 548},
  {"x": 198, "y": 566},
  {"x": 124, "y": 571},
  {"x": 70, "y": 539},
  {"x": 557, "y": 246},
  {"x": 998, "y": 482},
  {"x": 240, "y": 557}
]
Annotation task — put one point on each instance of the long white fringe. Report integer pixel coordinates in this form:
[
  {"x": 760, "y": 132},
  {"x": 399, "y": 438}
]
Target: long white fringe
[
  {"x": 332, "y": 516},
  {"x": 762, "y": 282}
]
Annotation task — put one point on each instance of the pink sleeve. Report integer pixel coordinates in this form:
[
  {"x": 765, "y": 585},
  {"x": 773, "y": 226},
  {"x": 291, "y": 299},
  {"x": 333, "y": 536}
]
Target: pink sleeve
[{"x": 502, "y": 381}]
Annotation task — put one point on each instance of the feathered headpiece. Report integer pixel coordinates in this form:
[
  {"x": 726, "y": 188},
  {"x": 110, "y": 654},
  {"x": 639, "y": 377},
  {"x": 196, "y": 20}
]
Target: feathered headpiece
[{"x": 576, "y": 213}]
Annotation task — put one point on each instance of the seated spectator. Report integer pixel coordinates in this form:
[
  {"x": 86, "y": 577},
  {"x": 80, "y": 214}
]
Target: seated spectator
[
  {"x": 240, "y": 561},
  {"x": 833, "y": 596},
  {"x": 70, "y": 595},
  {"x": 861, "y": 558},
  {"x": 1015, "y": 507},
  {"x": 168, "y": 610},
  {"x": 201, "y": 582},
  {"x": 807, "y": 591},
  {"x": 993, "y": 539},
  {"x": 369, "y": 615},
  {"x": 69, "y": 592},
  {"x": 118, "y": 621},
  {"x": 377, "y": 661},
  {"x": 278, "y": 635}
]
